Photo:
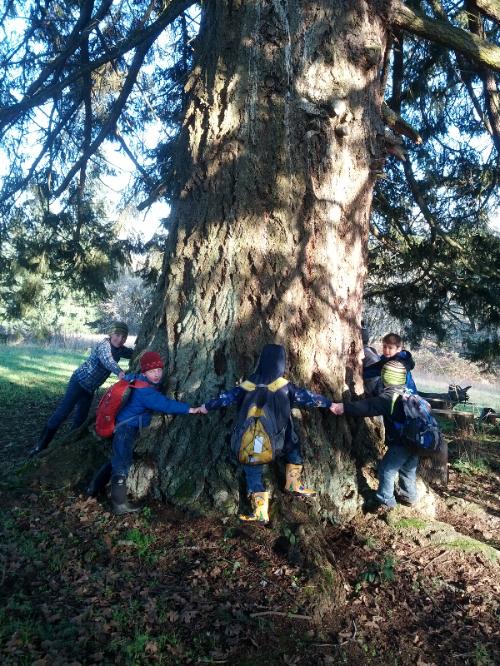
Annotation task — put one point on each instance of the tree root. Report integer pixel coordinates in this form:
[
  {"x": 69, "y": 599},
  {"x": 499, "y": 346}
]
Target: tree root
[
  {"x": 69, "y": 463},
  {"x": 324, "y": 592}
]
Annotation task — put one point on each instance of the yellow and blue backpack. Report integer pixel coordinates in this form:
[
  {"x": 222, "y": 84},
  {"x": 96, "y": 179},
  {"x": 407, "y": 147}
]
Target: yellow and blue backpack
[{"x": 259, "y": 434}]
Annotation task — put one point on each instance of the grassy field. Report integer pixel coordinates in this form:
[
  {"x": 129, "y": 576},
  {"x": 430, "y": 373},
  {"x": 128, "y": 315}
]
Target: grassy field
[
  {"x": 32, "y": 381},
  {"x": 481, "y": 394}
]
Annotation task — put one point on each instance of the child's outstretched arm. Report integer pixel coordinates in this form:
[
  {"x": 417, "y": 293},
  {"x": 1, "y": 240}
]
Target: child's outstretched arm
[
  {"x": 157, "y": 402},
  {"x": 223, "y": 400},
  {"x": 301, "y": 397},
  {"x": 377, "y": 406}
]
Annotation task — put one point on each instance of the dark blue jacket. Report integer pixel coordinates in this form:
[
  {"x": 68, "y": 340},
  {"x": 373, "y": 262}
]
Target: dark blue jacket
[
  {"x": 388, "y": 404},
  {"x": 405, "y": 357},
  {"x": 143, "y": 402},
  {"x": 271, "y": 366},
  {"x": 299, "y": 397}
]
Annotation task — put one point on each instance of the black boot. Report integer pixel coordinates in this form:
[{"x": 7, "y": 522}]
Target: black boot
[
  {"x": 99, "y": 480},
  {"x": 119, "y": 500},
  {"x": 45, "y": 438}
]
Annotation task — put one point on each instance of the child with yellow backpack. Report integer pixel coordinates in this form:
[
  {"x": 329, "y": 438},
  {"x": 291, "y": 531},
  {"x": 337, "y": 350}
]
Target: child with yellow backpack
[{"x": 264, "y": 427}]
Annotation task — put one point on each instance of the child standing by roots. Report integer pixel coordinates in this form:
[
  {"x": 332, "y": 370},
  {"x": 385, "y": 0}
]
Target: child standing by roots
[
  {"x": 85, "y": 380},
  {"x": 399, "y": 460},
  {"x": 135, "y": 415},
  {"x": 264, "y": 427}
]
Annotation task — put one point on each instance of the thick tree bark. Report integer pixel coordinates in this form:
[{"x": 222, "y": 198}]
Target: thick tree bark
[{"x": 268, "y": 233}]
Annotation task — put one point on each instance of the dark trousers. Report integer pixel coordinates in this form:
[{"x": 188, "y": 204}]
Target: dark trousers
[
  {"x": 123, "y": 449},
  {"x": 77, "y": 398}
]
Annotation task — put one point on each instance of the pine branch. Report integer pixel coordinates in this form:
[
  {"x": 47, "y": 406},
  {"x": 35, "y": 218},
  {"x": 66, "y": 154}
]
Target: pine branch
[
  {"x": 490, "y": 90},
  {"x": 9, "y": 114},
  {"x": 79, "y": 33},
  {"x": 425, "y": 210},
  {"x": 442, "y": 32},
  {"x": 114, "y": 114},
  {"x": 51, "y": 137}
]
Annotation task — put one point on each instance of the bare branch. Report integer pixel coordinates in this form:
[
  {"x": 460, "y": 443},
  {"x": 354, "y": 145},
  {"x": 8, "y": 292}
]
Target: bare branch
[
  {"x": 398, "y": 125},
  {"x": 442, "y": 32},
  {"x": 490, "y": 8},
  {"x": 133, "y": 158}
]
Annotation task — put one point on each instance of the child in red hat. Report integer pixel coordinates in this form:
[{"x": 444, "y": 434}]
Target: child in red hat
[{"x": 135, "y": 415}]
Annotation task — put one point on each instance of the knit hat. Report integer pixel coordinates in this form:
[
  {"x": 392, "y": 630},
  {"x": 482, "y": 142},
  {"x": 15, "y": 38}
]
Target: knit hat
[
  {"x": 151, "y": 360},
  {"x": 393, "y": 374},
  {"x": 119, "y": 327}
]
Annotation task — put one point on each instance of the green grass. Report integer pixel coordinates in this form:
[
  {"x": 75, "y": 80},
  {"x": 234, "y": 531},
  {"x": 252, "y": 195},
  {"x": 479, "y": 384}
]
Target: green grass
[
  {"x": 32, "y": 381},
  {"x": 468, "y": 545},
  {"x": 478, "y": 466},
  {"x": 481, "y": 395},
  {"x": 35, "y": 368},
  {"x": 411, "y": 523}
]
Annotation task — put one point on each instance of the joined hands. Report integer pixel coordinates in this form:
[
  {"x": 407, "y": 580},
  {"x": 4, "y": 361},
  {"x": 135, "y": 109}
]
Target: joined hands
[{"x": 198, "y": 410}]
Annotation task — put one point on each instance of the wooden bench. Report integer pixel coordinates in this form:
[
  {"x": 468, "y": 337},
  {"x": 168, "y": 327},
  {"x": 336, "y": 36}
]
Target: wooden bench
[{"x": 463, "y": 420}]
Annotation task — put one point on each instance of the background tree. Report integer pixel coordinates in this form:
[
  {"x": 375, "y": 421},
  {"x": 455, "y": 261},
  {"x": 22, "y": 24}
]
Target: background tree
[
  {"x": 80, "y": 77},
  {"x": 128, "y": 299},
  {"x": 50, "y": 262},
  {"x": 433, "y": 259}
]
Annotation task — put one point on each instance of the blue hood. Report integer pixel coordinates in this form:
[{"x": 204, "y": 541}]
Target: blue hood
[{"x": 271, "y": 365}]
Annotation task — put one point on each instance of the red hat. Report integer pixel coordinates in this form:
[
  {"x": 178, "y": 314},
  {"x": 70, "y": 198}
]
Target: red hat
[{"x": 151, "y": 360}]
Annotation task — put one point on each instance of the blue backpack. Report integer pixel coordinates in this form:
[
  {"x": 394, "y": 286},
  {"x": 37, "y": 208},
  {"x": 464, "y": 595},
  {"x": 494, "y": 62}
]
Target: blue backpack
[{"x": 420, "y": 430}]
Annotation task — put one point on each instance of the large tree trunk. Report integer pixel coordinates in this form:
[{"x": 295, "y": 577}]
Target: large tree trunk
[{"x": 268, "y": 232}]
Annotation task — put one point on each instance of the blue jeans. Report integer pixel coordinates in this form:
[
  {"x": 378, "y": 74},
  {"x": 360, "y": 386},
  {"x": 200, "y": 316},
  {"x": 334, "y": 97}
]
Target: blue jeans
[
  {"x": 77, "y": 398},
  {"x": 292, "y": 453},
  {"x": 398, "y": 460},
  {"x": 123, "y": 449}
]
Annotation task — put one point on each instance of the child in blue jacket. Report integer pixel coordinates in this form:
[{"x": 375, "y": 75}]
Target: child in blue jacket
[
  {"x": 392, "y": 349},
  {"x": 399, "y": 462},
  {"x": 135, "y": 415},
  {"x": 269, "y": 371}
]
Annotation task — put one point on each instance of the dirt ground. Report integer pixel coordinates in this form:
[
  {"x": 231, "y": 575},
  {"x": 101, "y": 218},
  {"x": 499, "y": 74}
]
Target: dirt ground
[{"x": 81, "y": 586}]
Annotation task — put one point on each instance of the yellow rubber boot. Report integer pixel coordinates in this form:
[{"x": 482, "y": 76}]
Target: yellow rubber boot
[
  {"x": 260, "y": 506},
  {"x": 293, "y": 483}
]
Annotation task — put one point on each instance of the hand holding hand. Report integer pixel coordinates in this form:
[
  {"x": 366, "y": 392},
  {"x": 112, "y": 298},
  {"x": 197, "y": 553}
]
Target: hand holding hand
[
  {"x": 198, "y": 410},
  {"x": 337, "y": 408}
]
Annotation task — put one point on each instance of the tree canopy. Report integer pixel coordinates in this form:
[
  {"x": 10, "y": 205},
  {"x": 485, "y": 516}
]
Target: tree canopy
[{"x": 80, "y": 78}]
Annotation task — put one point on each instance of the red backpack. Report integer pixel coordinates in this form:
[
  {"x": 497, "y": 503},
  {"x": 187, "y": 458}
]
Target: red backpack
[{"x": 111, "y": 403}]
